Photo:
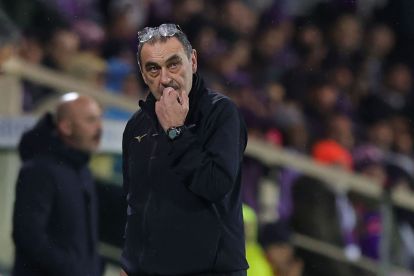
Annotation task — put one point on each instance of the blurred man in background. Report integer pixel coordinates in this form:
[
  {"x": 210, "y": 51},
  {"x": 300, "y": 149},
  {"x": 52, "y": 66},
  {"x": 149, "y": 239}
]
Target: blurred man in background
[{"x": 55, "y": 228}]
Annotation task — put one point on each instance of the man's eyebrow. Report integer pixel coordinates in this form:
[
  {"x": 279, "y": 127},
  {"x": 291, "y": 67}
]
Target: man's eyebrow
[
  {"x": 150, "y": 64},
  {"x": 174, "y": 58}
]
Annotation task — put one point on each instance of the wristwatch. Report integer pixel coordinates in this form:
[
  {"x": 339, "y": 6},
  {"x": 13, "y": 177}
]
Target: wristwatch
[{"x": 175, "y": 132}]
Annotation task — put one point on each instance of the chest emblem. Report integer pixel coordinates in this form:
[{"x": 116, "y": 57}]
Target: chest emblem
[{"x": 139, "y": 137}]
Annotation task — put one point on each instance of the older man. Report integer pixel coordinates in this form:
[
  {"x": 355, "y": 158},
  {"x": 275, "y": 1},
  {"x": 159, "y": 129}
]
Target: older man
[
  {"x": 182, "y": 157},
  {"x": 55, "y": 212}
]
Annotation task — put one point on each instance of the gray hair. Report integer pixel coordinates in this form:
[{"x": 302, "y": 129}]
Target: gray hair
[{"x": 180, "y": 35}]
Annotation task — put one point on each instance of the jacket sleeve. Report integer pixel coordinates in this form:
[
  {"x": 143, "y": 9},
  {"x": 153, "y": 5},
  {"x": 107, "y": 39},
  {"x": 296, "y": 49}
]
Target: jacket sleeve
[
  {"x": 211, "y": 169},
  {"x": 33, "y": 206}
]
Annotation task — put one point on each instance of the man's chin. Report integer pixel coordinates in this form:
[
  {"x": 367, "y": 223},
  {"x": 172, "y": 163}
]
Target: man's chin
[
  {"x": 157, "y": 95},
  {"x": 92, "y": 148}
]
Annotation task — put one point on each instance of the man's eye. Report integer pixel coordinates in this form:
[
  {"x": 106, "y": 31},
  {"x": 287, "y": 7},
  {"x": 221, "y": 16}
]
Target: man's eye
[
  {"x": 174, "y": 65},
  {"x": 152, "y": 69}
]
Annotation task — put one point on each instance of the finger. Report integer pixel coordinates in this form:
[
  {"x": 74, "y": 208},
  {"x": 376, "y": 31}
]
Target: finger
[
  {"x": 160, "y": 112},
  {"x": 172, "y": 97},
  {"x": 180, "y": 98},
  {"x": 158, "y": 107},
  {"x": 167, "y": 91},
  {"x": 163, "y": 100},
  {"x": 185, "y": 101}
]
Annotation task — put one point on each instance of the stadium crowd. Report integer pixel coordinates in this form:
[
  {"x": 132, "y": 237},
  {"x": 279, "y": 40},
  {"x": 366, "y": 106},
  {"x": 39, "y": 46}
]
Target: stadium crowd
[{"x": 329, "y": 79}]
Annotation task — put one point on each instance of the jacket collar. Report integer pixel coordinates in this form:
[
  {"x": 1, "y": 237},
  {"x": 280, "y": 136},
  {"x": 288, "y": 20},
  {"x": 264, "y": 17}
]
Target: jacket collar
[{"x": 43, "y": 139}]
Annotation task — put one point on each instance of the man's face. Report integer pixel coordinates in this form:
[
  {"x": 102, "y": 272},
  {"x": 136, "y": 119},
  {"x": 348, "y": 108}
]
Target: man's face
[
  {"x": 84, "y": 126},
  {"x": 165, "y": 64}
]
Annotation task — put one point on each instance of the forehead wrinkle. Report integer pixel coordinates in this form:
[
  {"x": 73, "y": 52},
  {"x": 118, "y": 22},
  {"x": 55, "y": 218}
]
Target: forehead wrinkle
[{"x": 161, "y": 52}]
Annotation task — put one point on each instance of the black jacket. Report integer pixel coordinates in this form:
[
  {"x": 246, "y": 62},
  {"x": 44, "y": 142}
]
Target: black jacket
[
  {"x": 55, "y": 212},
  {"x": 184, "y": 204}
]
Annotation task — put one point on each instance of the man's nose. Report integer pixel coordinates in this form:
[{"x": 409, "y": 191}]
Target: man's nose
[{"x": 165, "y": 77}]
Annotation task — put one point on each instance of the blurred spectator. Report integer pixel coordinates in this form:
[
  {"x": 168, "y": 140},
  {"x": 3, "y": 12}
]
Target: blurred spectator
[
  {"x": 323, "y": 213},
  {"x": 70, "y": 11},
  {"x": 132, "y": 13},
  {"x": 331, "y": 152},
  {"x": 276, "y": 241},
  {"x": 238, "y": 20},
  {"x": 91, "y": 35},
  {"x": 311, "y": 50},
  {"x": 346, "y": 38},
  {"x": 369, "y": 161},
  {"x": 185, "y": 12},
  {"x": 321, "y": 102},
  {"x": 272, "y": 53},
  {"x": 291, "y": 121},
  {"x": 387, "y": 172},
  {"x": 88, "y": 67},
  {"x": 394, "y": 96},
  {"x": 380, "y": 134},
  {"x": 9, "y": 34},
  {"x": 63, "y": 45},
  {"x": 32, "y": 50},
  {"x": 209, "y": 44},
  {"x": 340, "y": 129},
  {"x": 403, "y": 135},
  {"x": 380, "y": 40}
]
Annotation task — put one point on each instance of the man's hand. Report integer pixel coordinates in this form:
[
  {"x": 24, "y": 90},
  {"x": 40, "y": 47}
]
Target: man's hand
[
  {"x": 123, "y": 273},
  {"x": 172, "y": 108}
]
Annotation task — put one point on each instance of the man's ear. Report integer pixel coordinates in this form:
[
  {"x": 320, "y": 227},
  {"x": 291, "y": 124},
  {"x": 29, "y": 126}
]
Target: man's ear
[
  {"x": 65, "y": 127},
  {"x": 194, "y": 61}
]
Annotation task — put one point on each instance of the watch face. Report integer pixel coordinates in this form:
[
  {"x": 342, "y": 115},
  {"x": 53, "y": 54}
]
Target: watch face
[{"x": 172, "y": 133}]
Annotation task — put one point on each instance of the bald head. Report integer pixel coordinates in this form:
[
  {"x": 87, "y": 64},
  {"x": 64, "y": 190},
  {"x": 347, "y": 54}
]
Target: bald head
[
  {"x": 70, "y": 103},
  {"x": 78, "y": 120}
]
